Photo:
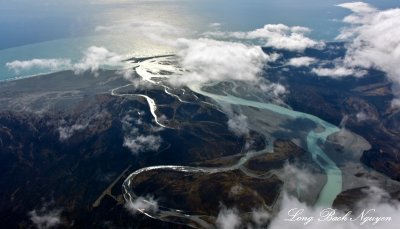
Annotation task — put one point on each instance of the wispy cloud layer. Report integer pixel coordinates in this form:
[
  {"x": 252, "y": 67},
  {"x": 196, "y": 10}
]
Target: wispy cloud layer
[
  {"x": 338, "y": 72},
  {"x": 48, "y": 64},
  {"x": 359, "y": 8},
  {"x": 142, "y": 143},
  {"x": 138, "y": 142},
  {"x": 65, "y": 132}
]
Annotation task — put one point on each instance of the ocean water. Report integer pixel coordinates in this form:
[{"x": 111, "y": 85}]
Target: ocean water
[
  {"x": 65, "y": 29},
  {"x": 47, "y": 29},
  {"x": 74, "y": 50},
  {"x": 322, "y": 16}
]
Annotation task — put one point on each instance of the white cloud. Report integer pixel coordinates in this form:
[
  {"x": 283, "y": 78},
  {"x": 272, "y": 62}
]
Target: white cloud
[
  {"x": 301, "y": 61},
  {"x": 374, "y": 196},
  {"x": 375, "y": 39},
  {"x": 44, "y": 218},
  {"x": 278, "y": 36},
  {"x": 260, "y": 217},
  {"x": 209, "y": 60},
  {"x": 66, "y": 132},
  {"x": 297, "y": 179},
  {"x": 133, "y": 139},
  {"x": 395, "y": 103},
  {"x": 361, "y": 116},
  {"x": 142, "y": 143},
  {"x": 338, "y": 71},
  {"x": 359, "y": 7},
  {"x": 94, "y": 57},
  {"x": 142, "y": 204},
  {"x": 128, "y": 124},
  {"x": 238, "y": 124},
  {"x": 228, "y": 219},
  {"x": 231, "y": 219},
  {"x": 275, "y": 90},
  {"x": 136, "y": 81},
  {"x": 50, "y": 64},
  {"x": 284, "y": 37},
  {"x": 128, "y": 74},
  {"x": 235, "y": 190}
]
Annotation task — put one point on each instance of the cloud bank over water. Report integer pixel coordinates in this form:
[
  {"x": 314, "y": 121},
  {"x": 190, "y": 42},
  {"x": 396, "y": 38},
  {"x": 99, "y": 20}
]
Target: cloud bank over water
[
  {"x": 95, "y": 57},
  {"x": 92, "y": 60},
  {"x": 48, "y": 64},
  {"x": 277, "y": 36}
]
